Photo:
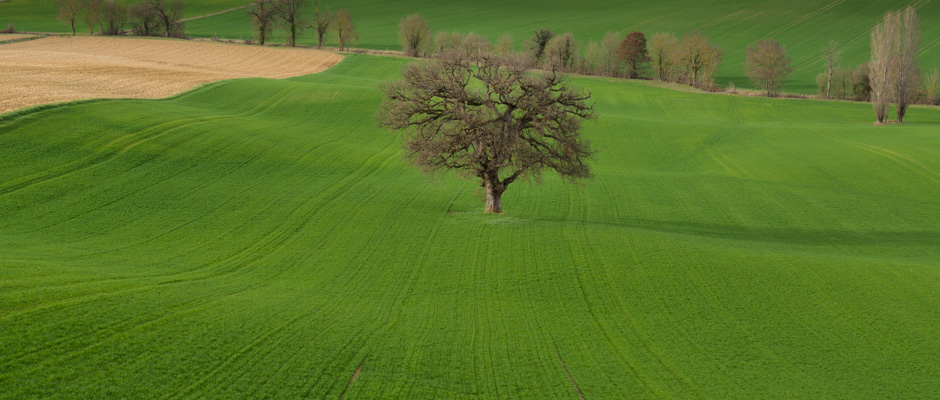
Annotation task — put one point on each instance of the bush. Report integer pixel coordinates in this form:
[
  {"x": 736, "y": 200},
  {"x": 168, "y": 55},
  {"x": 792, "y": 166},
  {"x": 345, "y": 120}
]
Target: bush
[{"x": 10, "y": 29}]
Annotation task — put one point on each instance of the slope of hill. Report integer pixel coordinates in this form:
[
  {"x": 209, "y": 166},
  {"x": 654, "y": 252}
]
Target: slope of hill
[
  {"x": 261, "y": 238},
  {"x": 804, "y": 26}
]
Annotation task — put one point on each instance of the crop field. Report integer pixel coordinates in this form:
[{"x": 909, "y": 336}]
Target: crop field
[
  {"x": 262, "y": 238},
  {"x": 56, "y": 69}
]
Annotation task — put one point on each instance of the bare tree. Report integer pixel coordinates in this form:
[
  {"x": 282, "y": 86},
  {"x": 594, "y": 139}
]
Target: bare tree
[
  {"x": 444, "y": 41},
  {"x": 907, "y": 70},
  {"x": 882, "y": 67},
  {"x": 474, "y": 46},
  {"x": 92, "y": 15},
  {"x": 633, "y": 54},
  {"x": 610, "y": 62},
  {"x": 68, "y": 12},
  {"x": 593, "y": 59},
  {"x": 560, "y": 52},
  {"x": 143, "y": 18},
  {"x": 831, "y": 55},
  {"x": 662, "y": 47},
  {"x": 262, "y": 17},
  {"x": 288, "y": 14},
  {"x": 345, "y": 29},
  {"x": 490, "y": 120},
  {"x": 931, "y": 84},
  {"x": 114, "y": 15},
  {"x": 170, "y": 14},
  {"x": 536, "y": 45},
  {"x": 323, "y": 21},
  {"x": 414, "y": 35},
  {"x": 504, "y": 44},
  {"x": 767, "y": 65},
  {"x": 699, "y": 59}
]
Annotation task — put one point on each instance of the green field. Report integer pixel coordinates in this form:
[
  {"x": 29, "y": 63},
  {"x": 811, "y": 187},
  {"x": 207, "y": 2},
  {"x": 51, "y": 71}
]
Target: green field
[
  {"x": 804, "y": 26},
  {"x": 262, "y": 238}
]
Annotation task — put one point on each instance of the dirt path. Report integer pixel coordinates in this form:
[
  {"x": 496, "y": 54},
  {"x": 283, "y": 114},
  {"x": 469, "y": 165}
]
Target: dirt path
[
  {"x": 56, "y": 69},
  {"x": 217, "y": 13}
]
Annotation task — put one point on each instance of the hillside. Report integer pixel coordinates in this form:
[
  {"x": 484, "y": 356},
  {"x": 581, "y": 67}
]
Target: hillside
[{"x": 262, "y": 238}]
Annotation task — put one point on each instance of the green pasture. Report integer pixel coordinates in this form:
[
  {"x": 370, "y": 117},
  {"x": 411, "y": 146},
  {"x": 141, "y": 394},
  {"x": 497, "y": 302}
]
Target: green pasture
[
  {"x": 804, "y": 26},
  {"x": 263, "y": 239}
]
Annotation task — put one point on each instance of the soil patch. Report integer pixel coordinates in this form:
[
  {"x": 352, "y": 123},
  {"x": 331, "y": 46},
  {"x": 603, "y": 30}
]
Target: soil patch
[{"x": 56, "y": 69}]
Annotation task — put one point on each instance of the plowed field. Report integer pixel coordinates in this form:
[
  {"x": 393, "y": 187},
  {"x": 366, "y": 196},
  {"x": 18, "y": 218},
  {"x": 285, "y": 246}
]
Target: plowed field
[{"x": 71, "y": 68}]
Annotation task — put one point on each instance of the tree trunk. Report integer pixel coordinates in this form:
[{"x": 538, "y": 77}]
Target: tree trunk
[
  {"x": 494, "y": 195},
  {"x": 319, "y": 40}
]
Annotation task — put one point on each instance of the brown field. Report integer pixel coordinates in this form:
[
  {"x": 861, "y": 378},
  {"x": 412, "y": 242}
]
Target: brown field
[{"x": 59, "y": 69}]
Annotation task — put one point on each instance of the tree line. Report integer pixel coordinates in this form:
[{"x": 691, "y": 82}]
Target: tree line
[
  {"x": 111, "y": 17},
  {"x": 289, "y": 14}
]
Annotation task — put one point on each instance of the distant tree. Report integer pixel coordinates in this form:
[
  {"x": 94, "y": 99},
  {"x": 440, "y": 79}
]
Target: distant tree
[
  {"x": 262, "y": 18},
  {"x": 444, "y": 41},
  {"x": 767, "y": 65},
  {"x": 699, "y": 59},
  {"x": 170, "y": 14},
  {"x": 92, "y": 15},
  {"x": 536, "y": 45},
  {"x": 68, "y": 12},
  {"x": 831, "y": 56},
  {"x": 633, "y": 53},
  {"x": 143, "y": 18},
  {"x": 861, "y": 83},
  {"x": 322, "y": 20},
  {"x": 882, "y": 67},
  {"x": 345, "y": 29},
  {"x": 474, "y": 46},
  {"x": 414, "y": 35},
  {"x": 114, "y": 15},
  {"x": 560, "y": 52},
  {"x": 593, "y": 59},
  {"x": 662, "y": 49},
  {"x": 287, "y": 12},
  {"x": 503, "y": 45},
  {"x": 489, "y": 119},
  {"x": 907, "y": 70},
  {"x": 609, "y": 62},
  {"x": 931, "y": 86}
]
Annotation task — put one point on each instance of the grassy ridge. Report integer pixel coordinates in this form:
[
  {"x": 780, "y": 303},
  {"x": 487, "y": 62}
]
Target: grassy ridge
[{"x": 262, "y": 238}]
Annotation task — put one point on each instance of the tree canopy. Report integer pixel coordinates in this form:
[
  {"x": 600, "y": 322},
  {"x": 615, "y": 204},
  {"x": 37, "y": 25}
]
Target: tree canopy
[{"x": 490, "y": 119}]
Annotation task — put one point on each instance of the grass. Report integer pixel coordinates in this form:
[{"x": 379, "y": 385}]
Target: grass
[
  {"x": 804, "y": 26},
  {"x": 262, "y": 238}
]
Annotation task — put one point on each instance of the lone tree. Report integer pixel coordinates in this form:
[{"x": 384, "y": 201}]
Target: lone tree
[
  {"x": 414, "y": 35},
  {"x": 633, "y": 53},
  {"x": 345, "y": 29},
  {"x": 489, "y": 119},
  {"x": 68, "y": 12},
  {"x": 767, "y": 65},
  {"x": 323, "y": 21},
  {"x": 262, "y": 17}
]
